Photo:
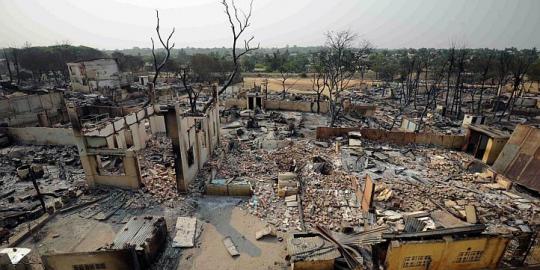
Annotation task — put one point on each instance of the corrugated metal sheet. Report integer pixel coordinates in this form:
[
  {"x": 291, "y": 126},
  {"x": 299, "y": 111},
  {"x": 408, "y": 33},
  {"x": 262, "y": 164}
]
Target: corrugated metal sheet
[
  {"x": 310, "y": 248},
  {"x": 520, "y": 158},
  {"x": 137, "y": 232}
]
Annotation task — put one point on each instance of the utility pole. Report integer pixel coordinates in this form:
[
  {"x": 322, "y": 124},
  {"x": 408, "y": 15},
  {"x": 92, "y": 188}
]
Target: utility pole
[{"x": 31, "y": 173}]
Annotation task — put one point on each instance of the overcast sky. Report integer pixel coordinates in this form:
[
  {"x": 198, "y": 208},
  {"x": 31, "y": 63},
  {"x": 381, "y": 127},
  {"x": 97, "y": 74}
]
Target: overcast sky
[{"x": 111, "y": 24}]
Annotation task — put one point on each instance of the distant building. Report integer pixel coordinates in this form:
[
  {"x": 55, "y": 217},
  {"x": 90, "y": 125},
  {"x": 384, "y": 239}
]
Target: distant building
[{"x": 96, "y": 74}]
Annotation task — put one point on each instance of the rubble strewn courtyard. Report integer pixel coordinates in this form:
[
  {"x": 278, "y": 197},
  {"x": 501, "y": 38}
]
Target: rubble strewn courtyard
[{"x": 264, "y": 151}]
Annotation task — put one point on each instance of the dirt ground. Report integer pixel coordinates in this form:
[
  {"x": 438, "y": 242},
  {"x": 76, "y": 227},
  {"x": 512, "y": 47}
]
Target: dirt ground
[
  {"x": 296, "y": 84},
  {"x": 222, "y": 217}
]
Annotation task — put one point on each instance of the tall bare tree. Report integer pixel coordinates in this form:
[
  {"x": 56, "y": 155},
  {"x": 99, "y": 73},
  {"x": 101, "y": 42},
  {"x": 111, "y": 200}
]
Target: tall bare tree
[
  {"x": 15, "y": 54},
  {"x": 239, "y": 21},
  {"x": 458, "y": 88},
  {"x": 166, "y": 45},
  {"x": 451, "y": 65},
  {"x": 340, "y": 65}
]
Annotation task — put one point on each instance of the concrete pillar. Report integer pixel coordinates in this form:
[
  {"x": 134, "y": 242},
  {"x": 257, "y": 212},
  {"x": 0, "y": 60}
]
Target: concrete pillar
[{"x": 132, "y": 170}]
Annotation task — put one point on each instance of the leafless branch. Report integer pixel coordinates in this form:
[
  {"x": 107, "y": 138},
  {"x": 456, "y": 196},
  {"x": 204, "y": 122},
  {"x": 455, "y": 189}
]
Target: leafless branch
[{"x": 166, "y": 46}]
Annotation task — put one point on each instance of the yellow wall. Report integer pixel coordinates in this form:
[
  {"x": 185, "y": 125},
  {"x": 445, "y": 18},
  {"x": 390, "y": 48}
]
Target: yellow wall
[
  {"x": 445, "y": 254},
  {"x": 111, "y": 259}
]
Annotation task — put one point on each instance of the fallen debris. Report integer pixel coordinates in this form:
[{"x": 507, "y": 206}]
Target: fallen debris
[
  {"x": 267, "y": 231},
  {"x": 185, "y": 232},
  {"x": 230, "y": 246}
]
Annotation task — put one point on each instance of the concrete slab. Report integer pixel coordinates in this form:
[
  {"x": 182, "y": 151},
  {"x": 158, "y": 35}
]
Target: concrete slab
[{"x": 185, "y": 232}]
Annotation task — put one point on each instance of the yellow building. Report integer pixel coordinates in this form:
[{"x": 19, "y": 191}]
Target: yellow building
[{"x": 480, "y": 252}]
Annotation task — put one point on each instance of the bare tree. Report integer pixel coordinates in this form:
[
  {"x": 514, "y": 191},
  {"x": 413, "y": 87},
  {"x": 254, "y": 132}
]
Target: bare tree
[
  {"x": 193, "y": 93},
  {"x": 363, "y": 53},
  {"x": 433, "y": 93},
  {"x": 319, "y": 80},
  {"x": 521, "y": 61},
  {"x": 340, "y": 65},
  {"x": 451, "y": 64},
  {"x": 239, "y": 22},
  {"x": 167, "y": 47},
  {"x": 458, "y": 88},
  {"x": 485, "y": 62},
  {"x": 503, "y": 66},
  {"x": 15, "y": 54}
]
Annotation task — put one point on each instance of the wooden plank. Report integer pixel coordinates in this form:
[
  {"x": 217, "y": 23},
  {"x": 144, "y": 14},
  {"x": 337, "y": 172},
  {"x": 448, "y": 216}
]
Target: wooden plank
[
  {"x": 470, "y": 213},
  {"x": 367, "y": 195},
  {"x": 507, "y": 155},
  {"x": 185, "y": 232}
]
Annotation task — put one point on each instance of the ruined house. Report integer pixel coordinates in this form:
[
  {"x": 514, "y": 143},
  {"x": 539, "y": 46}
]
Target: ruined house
[{"x": 95, "y": 74}]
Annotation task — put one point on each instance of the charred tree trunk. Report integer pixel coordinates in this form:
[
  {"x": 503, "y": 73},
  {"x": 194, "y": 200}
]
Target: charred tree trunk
[
  {"x": 16, "y": 64},
  {"x": 8, "y": 66}
]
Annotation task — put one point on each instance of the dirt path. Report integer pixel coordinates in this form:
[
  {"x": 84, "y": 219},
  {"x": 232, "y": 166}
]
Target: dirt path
[{"x": 225, "y": 219}]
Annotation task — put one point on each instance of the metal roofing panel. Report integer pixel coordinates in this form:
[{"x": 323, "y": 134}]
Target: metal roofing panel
[
  {"x": 136, "y": 232},
  {"x": 310, "y": 248}
]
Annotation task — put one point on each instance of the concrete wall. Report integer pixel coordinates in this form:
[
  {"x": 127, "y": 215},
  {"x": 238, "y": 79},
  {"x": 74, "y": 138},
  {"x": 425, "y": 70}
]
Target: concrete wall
[
  {"x": 157, "y": 124},
  {"x": 302, "y": 106},
  {"x": 111, "y": 259},
  {"x": 407, "y": 125},
  {"x": 24, "y": 110},
  {"x": 94, "y": 74},
  {"x": 42, "y": 135},
  {"x": 200, "y": 142},
  {"x": 192, "y": 136},
  {"x": 130, "y": 178},
  {"x": 397, "y": 137},
  {"x": 284, "y": 105}
]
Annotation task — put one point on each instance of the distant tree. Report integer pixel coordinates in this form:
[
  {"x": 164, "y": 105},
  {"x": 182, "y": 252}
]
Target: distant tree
[
  {"x": 363, "y": 54},
  {"x": 503, "y": 62},
  {"x": 128, "y": 62},
  {"x": 451, "y": 64},
  {"x": 519, "y": 66},
  {"x": 248, "y": 64},
  {"x": 15, "y": 55},
  {"x": 533, "y": 74},
  {"x": 458, "y": 88},
  {"x": 8, "y": 66},
  {"x": 481, "y": 66},
  {"x": 283, "y": 64},
  {"x": 385, "y": 67},
  {"x": 203, "y": 66}
]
